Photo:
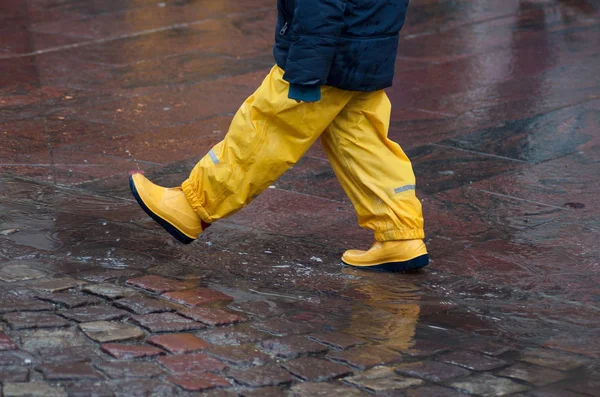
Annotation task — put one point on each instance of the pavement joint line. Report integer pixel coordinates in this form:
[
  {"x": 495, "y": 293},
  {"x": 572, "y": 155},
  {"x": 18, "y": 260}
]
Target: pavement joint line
[
  {"x": 479, "y": 153},
  {"x": 140, "y": 33},
  {"x": 522, "y": 199}
]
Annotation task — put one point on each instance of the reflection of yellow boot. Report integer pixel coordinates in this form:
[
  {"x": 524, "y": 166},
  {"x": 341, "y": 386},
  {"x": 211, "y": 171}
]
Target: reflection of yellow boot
[
  {"x": 395, "y": 256},
  {"x": 168, "y": 207}
]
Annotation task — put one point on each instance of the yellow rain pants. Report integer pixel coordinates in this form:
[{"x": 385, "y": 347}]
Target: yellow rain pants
[{"x": 270, "y": 133}]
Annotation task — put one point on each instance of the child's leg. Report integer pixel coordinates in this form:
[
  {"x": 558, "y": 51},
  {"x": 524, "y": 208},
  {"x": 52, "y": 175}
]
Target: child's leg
[
  {"x": 374, "y": 171},
  {"x": 268, "y": 135}
]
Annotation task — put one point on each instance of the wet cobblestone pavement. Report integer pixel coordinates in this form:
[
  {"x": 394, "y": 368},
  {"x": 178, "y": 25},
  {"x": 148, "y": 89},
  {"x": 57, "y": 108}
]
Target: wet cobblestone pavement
[{"x": 496, "y": 102}]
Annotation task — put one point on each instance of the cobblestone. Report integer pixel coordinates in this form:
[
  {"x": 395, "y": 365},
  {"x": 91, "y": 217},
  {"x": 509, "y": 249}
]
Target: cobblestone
[
  {"x": 32, "y": 389},
  {"x": 119, "y": 370},
  {"x": 212, "y": 317},
  {"x": 105, "y": 331},
  {"x": 487, "y": 385},
  {"x": 365, "y": 357},
  {"x": 434, "y": 391},
  {"x": 191, "y": 363},
  {"x": 431, "y": 370},
  {"x": 6, "y": 343},
  {"x": 139, "y": 305},
  {"x": 32, "y": 305},
  {"x": 195, "y": 297},
  {"x": 233, "y": 336},
  {"x": 94, "y": 313},
  {"x": 552, "y": 359},
  {"x": 337, "y": 340},
  {"x": 43, "y": 339},
  {"x": 166, "y": 322},
  {"x": 472, "y": 361},
  {"x": 263, "y": 309},
  {"x": 11, "y": 273},
  {"x": 58, "y": 284},
  {"x": 104, "y": 275},
  {"x": 198, "y": 382},
  {"x": 244, "y": 355},
  {"x": 279, "y": 327},
  {"x": 316, "y": 370},
  {"x": 16, "y": 358},
  {"x": 268, "y": 375},
  {"x": 70, "y": 300},
  {"x": 72, "y": 371},
  {"x": 14, "y": 374},
  {"x": 382, "y": 379},
  {"x": 179, "y": 343},
  {"x": 158, "y": 284},
  {"x": 109, "y": 291},
  {"x": 26, "y": 320},
  {"x": 126, "y": 352},
  {"x": 323, "y": 390},
  {"x": 535, "y": 375},
  {"x": 291, "y": 346}
]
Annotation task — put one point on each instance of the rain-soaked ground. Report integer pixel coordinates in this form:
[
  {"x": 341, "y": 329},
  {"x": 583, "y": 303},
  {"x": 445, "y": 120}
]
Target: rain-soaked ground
[{"x": 496, "y": 102}]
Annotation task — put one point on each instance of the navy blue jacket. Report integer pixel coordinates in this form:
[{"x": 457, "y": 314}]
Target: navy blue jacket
[{"x": 348, "y": 44}]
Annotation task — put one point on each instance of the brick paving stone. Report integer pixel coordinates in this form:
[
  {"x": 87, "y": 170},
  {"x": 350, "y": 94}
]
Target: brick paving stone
[
  {"x": 139, "y": 305},
  {"x": 197, "y": 296},
  {"x": 181, "y": 272},
  {"x": 267, "y": 375},
  {"x": 25, "y": 320},
  {"x": 238, "y": 335},
  {"x": 365, "y": 357},
  {"x": 539, "y": 376},
  {"x": 215, "y": 393},
  {"x": 45, "y": 339},
  {"x": 323, "y": 390},
  {"x": 316, "y": 370},
  {"x": 488, "y": 348},
  {"x": 426, "y": 348},
  {"x": 57, "y": 284},
  {"x": 86, "y": 314},
  {"x": 382, "y": 379},
  {"x": 432, "y": 370},
  {"x": 245, "y": 355},
  {"x": 166, "y": 322},
  {"x": 32, "y": 305},
  {"x": 105, "y": 331},
  {"x": 11, "y": 273},
  {"x": 126, "y": 352},
  {"x": 552, "y": 359},
  {"x": 75, "y": 371},
  {"x": 158, "y": 284},
  {"x": 70, "y": 300},
  {"x": 194, "y": 362},
  {"x": 210, "y": 316},
  {"x": 136, "y": 387},
  {"x": 179, "y": 343},
  {"x": 487, "y": 385},
  {"x": 16, "y": 358},
  {"x": 32, "y": 389},
  {"x": 434, "y": 391},
  {"x": 585, "y": 386},
  {"x": 281, "y": 327},
  {"x": 291, "y": 346},
  {"x": 269, "y": 391},
  {"x": 13, "y": 374},
  {"x": 6, "y": 343},
  {"x": 138, "y": 369},
  {"x": 471, "y": 360},
  {"x": 263, "y": 309},
  {"x": 198, "y": 382},
  {"x": 90, "y": 388},
  {"x": 104, "y": 275},
  {"x": 552, "y": 391},
  {"x": 337, "y": 340},
  {"x": 109, "y": 291},
  {"x": 63, "y": 355}
]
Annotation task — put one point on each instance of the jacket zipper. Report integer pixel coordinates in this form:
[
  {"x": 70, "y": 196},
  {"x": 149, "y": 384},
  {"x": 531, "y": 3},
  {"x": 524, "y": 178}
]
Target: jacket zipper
[
  {"x": 284, "y": 29},
  {"x": 286, "y": 23}
]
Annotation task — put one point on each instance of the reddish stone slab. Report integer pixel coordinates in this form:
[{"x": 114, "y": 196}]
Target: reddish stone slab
[
  {"x": 315, "y": 370},
  {"x": 365, "y": 357},
  {"x": 6, "y": 343},
  {"x": 26, "y": 320},
  {"x": 187, "y": 363},
  {"x": 119, "y": 370},
  {"x": 69, "y": 371},
  {"x": 268, "y": 375},
  {"x": 32, "y": 305},
  {"x": 179, "y": 343},
  {"x": 198, "y": 382},
  {"x": 198, "y": 296},
  {"x": 86, "y": 314},
  {"x": 291, "y": 346},
  {"x": 238, "y": 355},
  {"x": 210, "y": 316},
  {"x": 144, "y": 305},
  {"x": 166, "y": 322},
  {"x": 70, "y": 300},
  {"x": 158, "y": 284},
  {"x": 126, "y": 352},
  {"x": 471, "y": 360}
]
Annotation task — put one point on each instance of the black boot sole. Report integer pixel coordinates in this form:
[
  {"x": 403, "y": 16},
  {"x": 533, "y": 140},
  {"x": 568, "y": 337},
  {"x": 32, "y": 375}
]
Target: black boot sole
[
  {"x": 173, "y": 231},
  {"x": 397, "y": 267}
]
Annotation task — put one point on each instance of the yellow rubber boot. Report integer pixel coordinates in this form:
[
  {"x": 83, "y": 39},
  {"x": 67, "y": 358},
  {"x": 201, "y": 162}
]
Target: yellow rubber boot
[
  {"x": 169, "y": 207},
  {"x": 395, "y": 256}
]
